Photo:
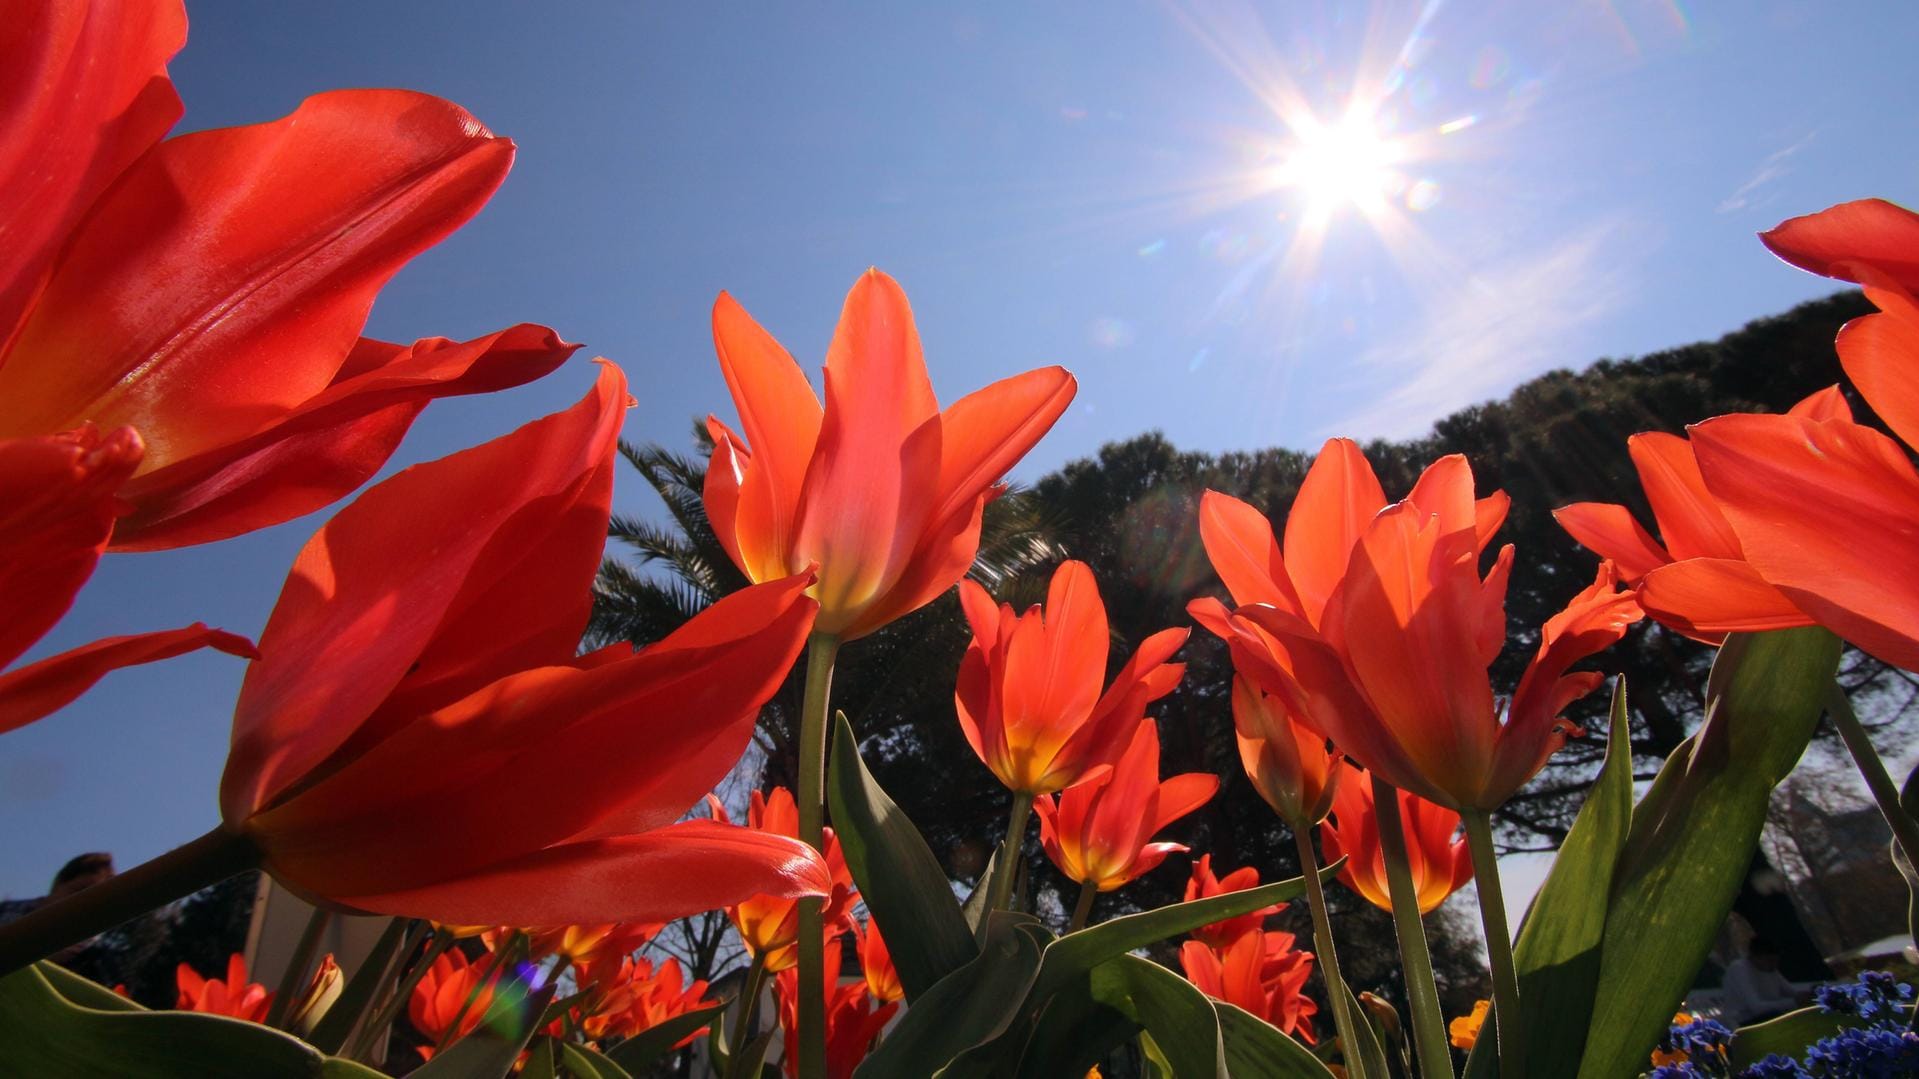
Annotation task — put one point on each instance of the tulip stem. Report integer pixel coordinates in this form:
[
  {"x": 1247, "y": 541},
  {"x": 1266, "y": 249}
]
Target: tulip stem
[
  {"x": 821, "y": 649},
  {"x": 1499, "y": 945},
  {"x": 1088, "y": 891},
  {"x": 749, "y": 1018},
  {"x": 1336, "y": 992},
  {"x": 1422, "y": 994},
  {"x": 1000, "y": 885},
  {"x": 1871, "y": 768},
  {"x": 389, "y": 1009},
  {"x": 180, "y": 872},
  {"x": 293, "y": 980}
]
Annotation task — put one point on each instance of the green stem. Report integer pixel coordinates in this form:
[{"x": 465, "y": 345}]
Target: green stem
[
  {"x": 1336, "y": 992},
  {"x": 749, "y": 1018},
  {"x": 1088, "y": 891},
  {"x": 1429, "y": 1026},
  {"x": 1006, "y": 864},
  {"x": 821, "y": 650},
  {"x": 403, "y": 990},
  {"x": 1904, "y": 830},
  {"x": 208, "y": 860},
  {"x": 294, "y": 980},
  {"x": 1499, "y": 945}
]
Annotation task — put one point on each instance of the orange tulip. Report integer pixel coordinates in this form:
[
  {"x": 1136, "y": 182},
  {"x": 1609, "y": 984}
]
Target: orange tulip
[
  {"x": 876, "y": 963},
  {"x": 1699, "y": 582},
  {"x": 1783, "y": 481},
  {"x": 234, "y": 997},
  {"x": 880, "y": 489},
  {"x": 443, "y": 991},
  {"x": 421, "y": 739},
  {"x": 1440, "y": 864},
  {"x": 1261, "y": 973},
  {"x": 1029, "y": 695},
  {"x": 852, "y": 1020},
  {"x": 208, "y": 290},
  {"x": 640, "y": 998},
  {"x": 1288, "y": 762},
  {"x": 1204, "y": 885},
  {"x": 1387, "y": 654},
  {"x": 769, "y": 925},
  {"x": 1100, "y": 832}
]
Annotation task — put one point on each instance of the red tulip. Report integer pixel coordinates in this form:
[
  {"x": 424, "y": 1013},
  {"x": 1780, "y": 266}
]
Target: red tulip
[
  {"x": 876, "y": 963},
  {"x": 1029, "y": 695},
  {"x": 880, "y": 489},
  {"x": 1388, "y": 655},
  {"x": 641, "y": 998},
  {"x": 442, "y": 993},
  {"x": 234, "y": 997},
  {"x": 1784, "y": 481},
  {"x": 852, "y": 1020},
  {"x": 1260, "y": 973},
  {"x": 420, "y": 738},
  {"x": 1204, "y": 885},
  {"x": 769, "y": 925},
  {"x": 208, "y": 290},
  {"x": 57, "y": 508},
  {"x": 1100, "y": 832},
  {"x": 1440, "y": 864},
  {"x": 1699, "y": 582},
  {"x": 1288, "y": 762}
]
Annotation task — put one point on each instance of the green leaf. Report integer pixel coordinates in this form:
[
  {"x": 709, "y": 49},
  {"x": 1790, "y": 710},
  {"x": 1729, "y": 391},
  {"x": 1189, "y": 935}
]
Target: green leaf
[
  {"x": 1180, "y": 1018},
  {"x": 1559, "y": 941},
  {"x": 1693, "y": 835},
  {"x": 1071, "y": 956},
  {"x": 1789, "y": 1035},
  {"x": 1256, "y": 1049},
  {"x": 967, "y": 1008},
  {"x": 493, "y": 1047},
  {"x": 902, "y": 883},
  {"x": 85, "y": 991},
  {"x": 1368, "y": 1058},
  {"x": 1074, "y": 1032},
  {"x": 45, "y": 1033},
  {"x": 539, "y": 1060},
  {"x": 584, "y": 1063},
  {"x": 642, "y": 1049}
]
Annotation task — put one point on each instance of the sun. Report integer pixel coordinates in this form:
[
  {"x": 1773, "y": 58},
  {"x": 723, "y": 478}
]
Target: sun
[{"x": 1339, "y": 164}]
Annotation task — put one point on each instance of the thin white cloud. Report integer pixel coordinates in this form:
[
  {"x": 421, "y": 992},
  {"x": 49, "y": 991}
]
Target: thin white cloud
[
  {"x": 1488, "y": 333},
  {"x": 1772, "y": 168}
]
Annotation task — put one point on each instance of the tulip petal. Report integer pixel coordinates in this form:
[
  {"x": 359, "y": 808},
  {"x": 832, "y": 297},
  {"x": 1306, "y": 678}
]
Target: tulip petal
[
  {"x": 1240, "y": 544},
  {"x": 985, "y": 433},
  {"x": 225, "y": 277},
  {"x": 329, "y": 445},
  {"x": 359, "y": 610},
  {"x": 1688, "y": 515},
  {"x": 1055, "y": 664},
  {"x": 944, "y": 553},
  {"x": 655, "y": 876},
  {"x": 83, "y": 92},
  {"x": 1338, "y": 497},
  {"x": 871, "y": 488},
  {"x": 1851, "y": 240},
  {"x": 633, "y": 743},
  {"x": 57, "y": 507},
  {"x": 1613, "y": 533},
  {"x": 1827, "y": 404},
  {"x": 1881, "y": 355},
  {"x": 1182, "y": 794},
  {"x": 1707, "y": 598},
  {"x": 1786, "y": 482},
  {"x": 41, "y": 688},
  {"x": 780, "y": 417}
]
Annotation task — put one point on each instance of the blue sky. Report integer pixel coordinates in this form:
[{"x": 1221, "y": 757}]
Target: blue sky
[{"x": 1098, "y": 185}]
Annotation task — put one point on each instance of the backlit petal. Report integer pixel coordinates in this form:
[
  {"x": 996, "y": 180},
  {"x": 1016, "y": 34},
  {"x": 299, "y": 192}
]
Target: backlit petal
[
  {"x": 985, "y": 433},
  {"x": 1851, "y": 239},
  {"x": 1785, "y": 481},
  {"x": 39, "y": 689},
  {"x": 1338, "y": 497},
  {"x": 1881, "y": 355},
  {"x": 1707, "y": 598},
  {"x": 780, "y": 419},
  {"x": 1612, "y": 532},
  {"x": 1689, "y": 519},
  {"x": 1240, "y": 544}
]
